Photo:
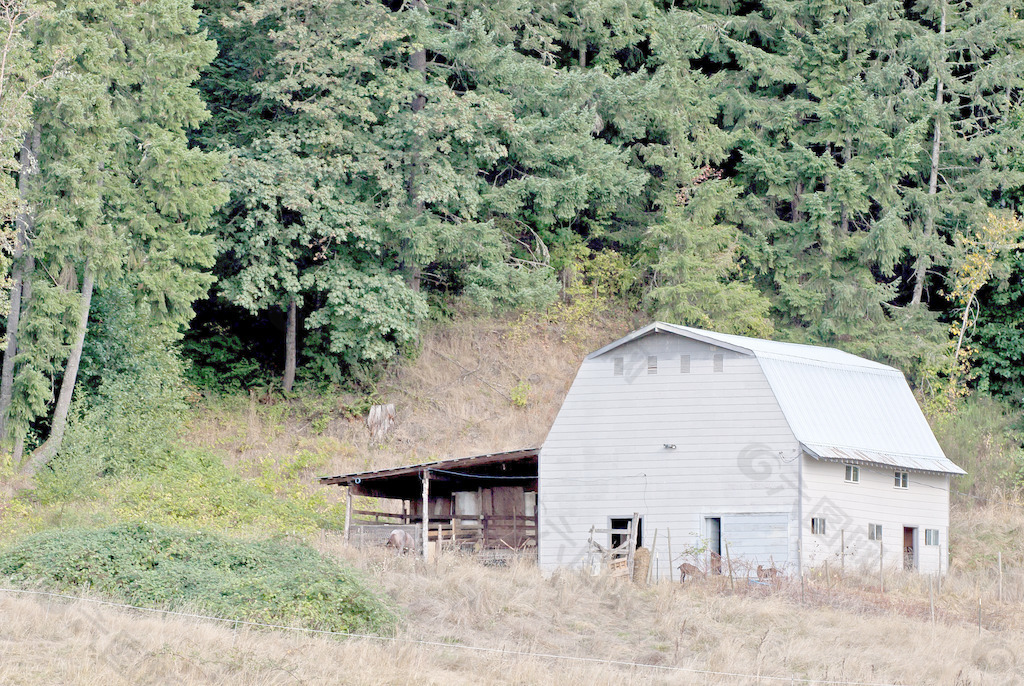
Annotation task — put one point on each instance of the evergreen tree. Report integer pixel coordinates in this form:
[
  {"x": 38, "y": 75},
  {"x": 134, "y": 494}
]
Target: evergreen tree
[
  {"x": 120, "y": 197},
  {"x": 967, "y": 59},
  {"x": 375, "y": 172}
]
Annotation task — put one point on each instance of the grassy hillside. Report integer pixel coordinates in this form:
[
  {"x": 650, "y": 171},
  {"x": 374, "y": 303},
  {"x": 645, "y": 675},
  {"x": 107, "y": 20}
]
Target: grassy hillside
[{"x": 248, "y": 467}]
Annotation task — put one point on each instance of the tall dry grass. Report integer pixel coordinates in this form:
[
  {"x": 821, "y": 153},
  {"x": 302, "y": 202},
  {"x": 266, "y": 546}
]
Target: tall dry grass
[
  {"x": 700, "y": 633},
  {"x": 477, "y": 385}
]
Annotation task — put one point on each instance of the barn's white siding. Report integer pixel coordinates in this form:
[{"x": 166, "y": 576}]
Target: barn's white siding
[
  {"x": 734, "y": 456},
  {"x": 848, "y": 509},
  {"x": 698, "y": 431}
]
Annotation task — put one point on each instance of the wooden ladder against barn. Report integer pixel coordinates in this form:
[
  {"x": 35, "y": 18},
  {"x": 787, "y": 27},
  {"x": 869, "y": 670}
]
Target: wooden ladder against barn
[{"x": 618, "y": 559}]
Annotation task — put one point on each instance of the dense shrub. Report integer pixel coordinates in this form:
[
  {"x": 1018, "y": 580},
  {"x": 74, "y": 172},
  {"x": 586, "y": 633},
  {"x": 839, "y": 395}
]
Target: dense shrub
[
  {"x": 150, "y": 566},
  {"x": 983, "y": 436}
]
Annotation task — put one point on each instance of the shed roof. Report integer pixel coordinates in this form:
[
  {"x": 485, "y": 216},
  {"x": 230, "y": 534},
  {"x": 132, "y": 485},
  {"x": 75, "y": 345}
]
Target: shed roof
[
  {"x": 519, "y": 466},
  {"x": 839, "y": 406}
]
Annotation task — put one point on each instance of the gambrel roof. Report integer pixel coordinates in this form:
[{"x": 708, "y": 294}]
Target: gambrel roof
[{"x": 840, "y": 407}]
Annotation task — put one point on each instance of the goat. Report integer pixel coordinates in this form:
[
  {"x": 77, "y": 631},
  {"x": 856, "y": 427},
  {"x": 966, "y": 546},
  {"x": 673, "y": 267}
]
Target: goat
[{"x": 401, "y": 540}]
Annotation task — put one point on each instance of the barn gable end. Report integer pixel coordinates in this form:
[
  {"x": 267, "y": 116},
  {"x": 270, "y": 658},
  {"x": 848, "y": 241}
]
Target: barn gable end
[{"x": 743, "y": 446}]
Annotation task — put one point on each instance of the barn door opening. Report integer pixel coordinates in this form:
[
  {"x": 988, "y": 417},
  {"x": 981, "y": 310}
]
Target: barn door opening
[
  {"x": 620, "y": 528},
  {"x": 909, "y": 550},
  {"x": 714, "y": 530}
]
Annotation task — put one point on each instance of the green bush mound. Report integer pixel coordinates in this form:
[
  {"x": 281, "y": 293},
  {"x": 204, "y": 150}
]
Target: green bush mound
[{"x": 271, "y": 581}]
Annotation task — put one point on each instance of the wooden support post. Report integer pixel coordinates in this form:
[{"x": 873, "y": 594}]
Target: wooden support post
[
  {"x": 348, "y": 514},
  {"x": 1000, "y": 576},
  {"x": 426, "y": 512},
  {"x": 515, "y": 526},
  {"x": 650, "y": 565},
  {"x": 631, "y": 545}
]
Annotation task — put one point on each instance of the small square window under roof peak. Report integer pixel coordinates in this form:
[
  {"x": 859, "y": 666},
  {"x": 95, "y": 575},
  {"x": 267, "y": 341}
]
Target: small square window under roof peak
[{"x": 758, "y": 347}]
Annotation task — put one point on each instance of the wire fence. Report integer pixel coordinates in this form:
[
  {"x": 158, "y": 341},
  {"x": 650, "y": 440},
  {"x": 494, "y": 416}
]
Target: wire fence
[{"x": 503, "y": 652}]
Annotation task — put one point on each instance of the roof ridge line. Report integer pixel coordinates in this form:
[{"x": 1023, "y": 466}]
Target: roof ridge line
[{"x": 882, "y": 369}]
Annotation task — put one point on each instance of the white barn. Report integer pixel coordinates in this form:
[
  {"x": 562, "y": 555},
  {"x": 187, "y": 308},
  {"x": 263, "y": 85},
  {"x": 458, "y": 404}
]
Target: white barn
[{"x": 771, "y": 453}]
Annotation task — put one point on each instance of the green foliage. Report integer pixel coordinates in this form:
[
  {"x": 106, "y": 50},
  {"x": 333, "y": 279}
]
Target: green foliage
[
  {"x": 500, "y": 288},
  {"x": 220, "y": 361},
  {"x": 199, "y": 491},
  {"x": 986, "y": 438},
  {"x": 130, "y": 407},
  {"x": 119, "y": 193},
  {"x": 273, "y": 581},
  {"x": 696, "y": 274},
  {"x": 520, "y": 394},
  {"x": 998, "y": 356}
]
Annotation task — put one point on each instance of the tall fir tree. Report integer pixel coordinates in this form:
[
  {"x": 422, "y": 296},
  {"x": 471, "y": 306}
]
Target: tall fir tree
[{"x": 120, "y": 196}]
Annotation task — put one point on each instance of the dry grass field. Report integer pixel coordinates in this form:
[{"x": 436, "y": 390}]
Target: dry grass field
[
  {"x": 481, "y": 386},
  {"x": 702, "y": 633}
]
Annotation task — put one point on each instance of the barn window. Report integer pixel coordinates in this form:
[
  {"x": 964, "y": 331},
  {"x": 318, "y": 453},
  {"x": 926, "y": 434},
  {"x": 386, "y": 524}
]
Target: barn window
[
  {"x": 684, "y": 364},
  {"x": 931, "y": 536},
  {"x": 617, "y": 366},
  {"x": 719, "y": 362},
  {"x": 852, "y": 474},
  {"x": 902, "y": 479},
  {"x": 652, "y": 364},
  {"x": 874, "y": 532},
  {"x": 818, "y": 526}
]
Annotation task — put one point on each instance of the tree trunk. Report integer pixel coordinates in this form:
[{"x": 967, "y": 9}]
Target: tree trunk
[
  {"x": 923, "y": 260},
  {"x": 844, "y": 214},
  {"x": 794, "y": 205},
  {"x": 418, "y": 63},
  {"x": 289, "y": 348},
  {"x": 49, "y": 449},
  {"x": 22, "y": 266}
]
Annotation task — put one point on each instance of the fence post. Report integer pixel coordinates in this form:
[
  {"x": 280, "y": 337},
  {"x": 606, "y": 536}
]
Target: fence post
[
  {"x": 348, "y": 514},
  {"x": 931, "y": 598},
  {"x": 828, "y": 580},
  {"x": 800, "y": 557},
  {"x": 842, "y": 552},
  {"x": 671, "y": 574},
  {"x": 1000, "y": 576},
  {"x": 881, "y": 571},
  {"x": 650, "y": 567},
  {"x": 728, "y": 561}
]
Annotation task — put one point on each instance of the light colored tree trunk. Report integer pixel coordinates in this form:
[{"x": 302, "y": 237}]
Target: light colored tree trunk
[
  {"x": 418, "y": 63},
  {"x": 844, "y": 213},
  {"x": 52, "y": 445},
  {"x": 924, "y": 260},
  {"x": 289, "y": 348},
  {"x": 22, "y": 267}
]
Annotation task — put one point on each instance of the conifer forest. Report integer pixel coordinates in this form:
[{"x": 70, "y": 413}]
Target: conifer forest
[{"x": 220, "y": 195}]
